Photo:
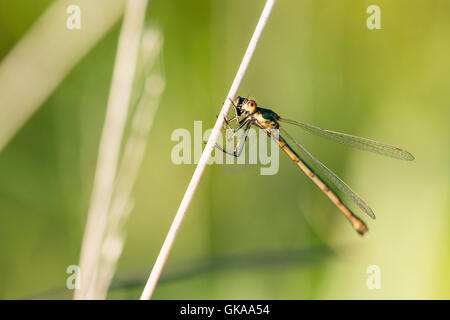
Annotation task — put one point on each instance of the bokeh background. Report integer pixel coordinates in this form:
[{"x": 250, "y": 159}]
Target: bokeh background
[{"x": 246, "y": 236}]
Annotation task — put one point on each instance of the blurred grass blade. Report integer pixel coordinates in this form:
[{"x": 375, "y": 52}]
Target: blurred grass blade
[
  {"x": 110, "y": 142},
  {"x": 45, "y": 55},
  {"x": 134, "y": 148}
]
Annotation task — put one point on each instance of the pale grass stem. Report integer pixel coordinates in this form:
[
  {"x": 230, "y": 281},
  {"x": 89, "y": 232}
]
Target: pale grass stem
[
  {"x": 121, "y": 204},
  {"x": 135, "y": 145},
  {"x": 109, "y": 149},
  {"x": 195, "y": 180}
]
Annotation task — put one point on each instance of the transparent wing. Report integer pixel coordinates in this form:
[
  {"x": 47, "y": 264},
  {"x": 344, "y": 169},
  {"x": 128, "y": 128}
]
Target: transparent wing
[
  {"x": 356, "y": 142},
  {"x": 341, "y": 185}
]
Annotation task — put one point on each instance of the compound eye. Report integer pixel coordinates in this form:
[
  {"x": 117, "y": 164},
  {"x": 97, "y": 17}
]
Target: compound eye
[{"x": 251, "y": 103}]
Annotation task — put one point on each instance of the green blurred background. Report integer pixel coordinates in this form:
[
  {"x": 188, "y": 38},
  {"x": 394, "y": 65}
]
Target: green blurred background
[{"x": 247, "y": 236}]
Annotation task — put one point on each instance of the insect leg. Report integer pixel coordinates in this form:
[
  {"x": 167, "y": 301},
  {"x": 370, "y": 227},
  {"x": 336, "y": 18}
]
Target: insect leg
[{"x": 240, "y": 144}]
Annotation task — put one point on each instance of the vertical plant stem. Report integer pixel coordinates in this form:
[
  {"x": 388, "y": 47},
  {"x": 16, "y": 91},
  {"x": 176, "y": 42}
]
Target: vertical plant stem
[
  {"x": 195, "y": 180},
  {"x": 116, "y": 115},
  {"x": 133, "y": 152},
  {"x": 121, "y": 203}
]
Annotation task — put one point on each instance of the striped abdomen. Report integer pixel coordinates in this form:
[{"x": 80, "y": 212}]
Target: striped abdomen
[{"x": 356, "y": 222}]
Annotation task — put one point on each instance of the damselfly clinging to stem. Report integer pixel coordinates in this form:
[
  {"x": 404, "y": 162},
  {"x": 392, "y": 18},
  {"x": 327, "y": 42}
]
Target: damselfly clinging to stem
[{"x": 247, "y": 113}]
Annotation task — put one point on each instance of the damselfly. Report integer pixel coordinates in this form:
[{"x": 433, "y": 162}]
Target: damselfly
[{"x": 248, "y": 114}]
